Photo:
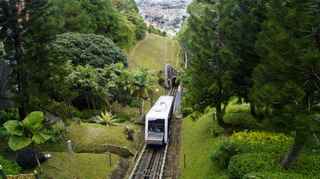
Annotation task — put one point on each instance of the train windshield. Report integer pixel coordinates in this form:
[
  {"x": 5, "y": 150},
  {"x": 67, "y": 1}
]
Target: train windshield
[{"x": 156, "y": 126}]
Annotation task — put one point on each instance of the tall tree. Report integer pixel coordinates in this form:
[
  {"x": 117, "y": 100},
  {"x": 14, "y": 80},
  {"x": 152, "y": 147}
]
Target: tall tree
[
  {"x": 211, "y": 66},
  {"x": 240, "y": 24},
  {"x": 15, "y": 18},
  {"x": 286, "y": 83}
]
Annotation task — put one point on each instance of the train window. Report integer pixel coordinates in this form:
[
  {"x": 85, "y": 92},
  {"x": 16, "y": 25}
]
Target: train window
[{"x": 156, "y": 126}]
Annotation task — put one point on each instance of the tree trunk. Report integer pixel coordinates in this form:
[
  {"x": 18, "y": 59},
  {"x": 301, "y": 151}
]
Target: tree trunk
[
  {"x": 141, "y": 111},
  {"x": 21, "y": 75},
  {"x": 253, "y": 110},
  {"x": 293, "y": 154},
  {"x": 107, "y": 102},
  {"x": 219, "y": 116}
]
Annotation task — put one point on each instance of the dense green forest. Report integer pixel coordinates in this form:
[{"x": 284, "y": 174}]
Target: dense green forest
[
  {"x": 58, "y": 46},
  {"x": 77, "y": 76},
  {"x": 264, "y": 54},
  {"x": 65, "y": 62}
]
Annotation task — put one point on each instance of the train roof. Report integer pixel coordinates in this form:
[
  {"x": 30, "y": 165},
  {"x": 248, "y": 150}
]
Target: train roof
[{"x": 160, "y": 109}]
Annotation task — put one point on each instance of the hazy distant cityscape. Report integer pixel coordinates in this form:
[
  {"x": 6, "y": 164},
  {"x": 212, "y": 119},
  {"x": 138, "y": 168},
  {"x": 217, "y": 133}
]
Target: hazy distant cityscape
[{"x": 166, "y": 15}]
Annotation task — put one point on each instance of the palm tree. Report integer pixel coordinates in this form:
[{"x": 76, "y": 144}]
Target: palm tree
[{"x": 142, "y": 86}]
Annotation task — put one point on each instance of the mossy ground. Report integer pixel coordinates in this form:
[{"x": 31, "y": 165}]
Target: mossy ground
[
  {"x": 78, "y": 166},
  {"x": 90, "y": 136}
]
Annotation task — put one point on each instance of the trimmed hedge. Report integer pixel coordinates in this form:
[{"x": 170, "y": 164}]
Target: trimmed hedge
[
  {"x": 275, "y": 175},
  {"x": 307, "y": 165},
  {"x": 247, "y": 142},
  {"x": 9, "y": 167},
  {"x": 242, "y": 164}
]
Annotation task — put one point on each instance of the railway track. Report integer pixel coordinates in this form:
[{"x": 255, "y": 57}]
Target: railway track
[{"x": 151, "y": 161}]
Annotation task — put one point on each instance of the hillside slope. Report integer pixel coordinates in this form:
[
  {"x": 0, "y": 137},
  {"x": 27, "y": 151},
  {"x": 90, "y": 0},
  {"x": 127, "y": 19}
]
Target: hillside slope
[{"x": 153, "y": 52}]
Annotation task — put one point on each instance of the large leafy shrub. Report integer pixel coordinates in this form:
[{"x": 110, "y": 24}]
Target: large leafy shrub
[
  {"x": 24, "y": 133},
  {"x": 9, "y": 167},
  {"x": 87, "y": 49},
  {"x": 96, "y": 88},
  {"x": 89, "y": 85},
  {"x": 242, "y": 164},
  {"x": 275, "y": 175},
  {"x": 61, "y": 109},
  {"x": 223, "y": 154}
]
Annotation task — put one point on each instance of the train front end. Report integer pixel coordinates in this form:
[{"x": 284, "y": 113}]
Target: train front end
[{"x": 157, "y": 121}]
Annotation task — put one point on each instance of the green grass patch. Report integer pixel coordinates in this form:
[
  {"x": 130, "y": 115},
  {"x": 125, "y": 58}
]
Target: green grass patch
[
  {"x": 153, "y": 52},
  {"x": 197, "y": 145},
  {"x": 66, "y": 166},
  {"x": 90, "y": 137}
]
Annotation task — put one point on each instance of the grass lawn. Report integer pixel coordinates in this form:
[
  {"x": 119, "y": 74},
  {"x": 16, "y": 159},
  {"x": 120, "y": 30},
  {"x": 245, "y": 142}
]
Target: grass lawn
[
  {"x": 78, "y": 166},
  {"x": 198, "y": 144},
  {"x": 88, "y": 137},
  {"x": 153, "y": 52}
]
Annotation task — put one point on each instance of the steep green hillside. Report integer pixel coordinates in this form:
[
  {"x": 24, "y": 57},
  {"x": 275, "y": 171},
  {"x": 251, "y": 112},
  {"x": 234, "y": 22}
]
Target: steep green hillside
[{"x": 154, "y": 52}]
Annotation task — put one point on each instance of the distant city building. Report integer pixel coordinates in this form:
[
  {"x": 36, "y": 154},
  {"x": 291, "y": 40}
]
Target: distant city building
[{"x": 167, "y": 15}]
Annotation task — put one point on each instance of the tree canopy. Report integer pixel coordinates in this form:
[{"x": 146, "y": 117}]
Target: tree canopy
[
  {"x": 87, "y": 49},
  {"x": 266, "y": 52}
]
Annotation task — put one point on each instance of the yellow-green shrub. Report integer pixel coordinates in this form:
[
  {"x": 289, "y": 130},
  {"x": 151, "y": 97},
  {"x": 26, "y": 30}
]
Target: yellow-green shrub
[
  {"x": 247, "y": 142},
  {"x": 261, "y": 141},
  {"x": 261, "y": 137}
]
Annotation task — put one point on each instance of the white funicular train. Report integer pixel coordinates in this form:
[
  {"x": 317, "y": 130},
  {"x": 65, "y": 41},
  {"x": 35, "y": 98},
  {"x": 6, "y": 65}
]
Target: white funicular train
[
  {"x": 157, "y": 123},
  {"x": 158, "y": 120}
]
